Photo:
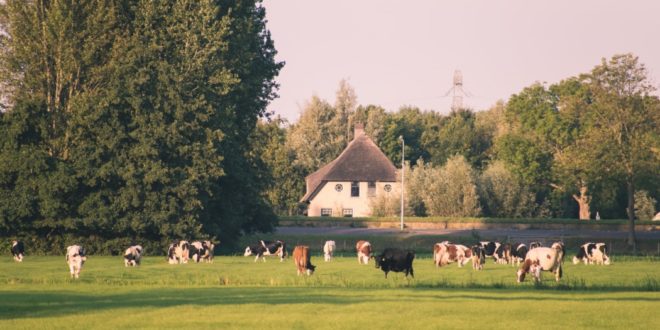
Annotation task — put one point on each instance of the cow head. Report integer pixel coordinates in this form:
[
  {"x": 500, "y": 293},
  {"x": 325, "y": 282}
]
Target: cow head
[
  {"x": 310, "y": 269},
  {"x": 528, "y": 266},
  {"x": 378, "y": 260},
  {"x": 248, "y": 252}
]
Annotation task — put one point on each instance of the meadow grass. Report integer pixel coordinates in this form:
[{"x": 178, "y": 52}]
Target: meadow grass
[{"x": 236, "y": 292}]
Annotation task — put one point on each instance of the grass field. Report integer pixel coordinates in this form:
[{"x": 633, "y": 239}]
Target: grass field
[{"x": 236, "y": 292}]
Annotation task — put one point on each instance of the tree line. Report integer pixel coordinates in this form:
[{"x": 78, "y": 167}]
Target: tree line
[
  {"x": 138, "y": 121},
  {"x": 130, "y": 121},
  {"x": 586, "y": 147}
]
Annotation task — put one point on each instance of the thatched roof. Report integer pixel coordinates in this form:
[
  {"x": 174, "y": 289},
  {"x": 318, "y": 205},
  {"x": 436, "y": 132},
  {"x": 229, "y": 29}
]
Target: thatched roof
[{"x": 362, "y": 160}]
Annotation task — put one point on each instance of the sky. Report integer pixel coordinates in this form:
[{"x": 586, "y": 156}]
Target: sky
[{"x": 396, "y": 53}]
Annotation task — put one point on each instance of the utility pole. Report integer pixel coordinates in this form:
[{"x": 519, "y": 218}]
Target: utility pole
[{"x": 403, "y": 148}]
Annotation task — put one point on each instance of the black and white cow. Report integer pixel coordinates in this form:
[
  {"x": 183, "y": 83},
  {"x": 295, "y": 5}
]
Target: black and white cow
[
  {"x": 490, "y": 249},
  {"x": 395, "y": 260},
  {"x": 478, "y": 257},
  {"x": 592, "y": 253},
  {"x": 502, "y": 254},
  {"x": 75, "y": 258},
  {"x": 266, "y": 248},
  {"x": 534, "y": 245},
  {"x": 208, "y": 255},
  {"x": 17, "y": 250},
  {"x": 196, "y": 250},
  {"x": 133, "y": 256},
  {"x": 178, "y": 252},
  {"x": 518, "y": 253}
]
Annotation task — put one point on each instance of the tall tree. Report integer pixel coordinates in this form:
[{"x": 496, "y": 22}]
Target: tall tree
[{"x": 625, "y": 118}]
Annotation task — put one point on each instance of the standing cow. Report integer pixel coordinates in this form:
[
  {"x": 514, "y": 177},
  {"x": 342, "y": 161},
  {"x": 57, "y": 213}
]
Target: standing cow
[
  {"x": 490, "y": 249},
  {"x": 133, "y": 256},
  {"x": 178, "y": 252},
  {"x": 478, "y": 257},
  {"x": 17, "y": 250},
  {"x": 518, "y": 253},
  {"x": 208, "y": 255},
  {"x": 328, "y": 250},
  {"x": 363, "y": 249},
  {"x": 266, "y": 248},
  {"x": 301, "y": 257},
  {"x": 541, "y": 259},
  {"x": 75, "y": 258},
  {"x": 395, "y": 260},
  {"x": 592, "y": 253}
]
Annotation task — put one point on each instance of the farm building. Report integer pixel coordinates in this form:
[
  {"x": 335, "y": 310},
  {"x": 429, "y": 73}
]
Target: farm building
[{"x": 346, "y": 186}]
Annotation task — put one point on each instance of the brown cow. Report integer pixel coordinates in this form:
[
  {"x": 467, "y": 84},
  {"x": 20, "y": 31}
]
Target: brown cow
[
  {"x": 445, "y": 253},
  {"x": 363, "y": 249},
  {"x": 302, "y": 260}
]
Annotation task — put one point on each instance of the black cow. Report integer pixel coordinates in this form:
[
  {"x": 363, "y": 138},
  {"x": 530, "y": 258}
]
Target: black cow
[
  {"x": 17, "y": 250},
  {"x": 266, "y": 248},
  {"x": 395, "y": 260},
  {"x": 490, "y": 249}
]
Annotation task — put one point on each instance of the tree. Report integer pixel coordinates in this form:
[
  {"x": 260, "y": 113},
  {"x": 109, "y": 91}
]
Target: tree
[
  {"x": 284, "y": 180},
  {"x": 625, "y": 117},
  {"x": 503, "y": 195},
  {"x": 452, "y": 190}
]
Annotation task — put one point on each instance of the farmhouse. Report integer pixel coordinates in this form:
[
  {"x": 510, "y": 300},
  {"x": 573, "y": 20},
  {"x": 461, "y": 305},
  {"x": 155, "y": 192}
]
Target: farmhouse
[{"x": 346, "y": 186}]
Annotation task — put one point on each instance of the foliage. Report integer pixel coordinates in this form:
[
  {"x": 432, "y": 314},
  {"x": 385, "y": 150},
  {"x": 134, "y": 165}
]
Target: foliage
[
  {"x": 503, "y": 195},
  {"x": 139, "y": 114},
  {"x": 452, "y": 190},
  {"x": 644, "y": 205}
]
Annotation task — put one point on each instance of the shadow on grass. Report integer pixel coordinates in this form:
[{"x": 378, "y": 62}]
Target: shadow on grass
[{"x": 14, "y": 305}]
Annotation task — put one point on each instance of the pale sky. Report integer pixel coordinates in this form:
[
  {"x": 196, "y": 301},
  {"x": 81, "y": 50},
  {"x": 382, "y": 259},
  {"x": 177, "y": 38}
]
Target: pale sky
[{"x": 397, "y": 53}]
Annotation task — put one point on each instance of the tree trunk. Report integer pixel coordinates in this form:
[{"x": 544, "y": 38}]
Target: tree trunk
[
  {"x": 632, "y": 240},
  {"x": 583, "y": 202}
]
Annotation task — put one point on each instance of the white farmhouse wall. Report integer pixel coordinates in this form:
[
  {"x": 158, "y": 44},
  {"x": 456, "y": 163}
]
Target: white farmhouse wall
[{"x": 328, "y": 197}]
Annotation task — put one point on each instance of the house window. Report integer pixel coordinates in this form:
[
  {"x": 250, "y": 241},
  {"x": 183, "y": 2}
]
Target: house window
[
  {"x": 347, "y": 213},
  {"x": 371, "y": 189},
  {"x": 326, "y": 212},
  {"x": 388, "y": 188},
  {"x": 339, "y": 187},
  {"x": 355, "y": 189}
]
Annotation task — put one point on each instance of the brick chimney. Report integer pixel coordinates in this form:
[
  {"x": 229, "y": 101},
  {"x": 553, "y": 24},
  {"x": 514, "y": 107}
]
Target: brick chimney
[{"x": 359, "y": 130}]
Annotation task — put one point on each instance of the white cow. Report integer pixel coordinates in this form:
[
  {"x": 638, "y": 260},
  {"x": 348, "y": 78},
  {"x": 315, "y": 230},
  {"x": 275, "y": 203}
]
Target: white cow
[
  {"x": 329, "y": 249},
  {"x": 539, "y": 259},
  {"x": 75, "y": 258}
]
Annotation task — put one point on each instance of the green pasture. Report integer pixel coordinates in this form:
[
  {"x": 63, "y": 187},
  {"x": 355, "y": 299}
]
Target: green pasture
[{"x": 236, "y": 292}]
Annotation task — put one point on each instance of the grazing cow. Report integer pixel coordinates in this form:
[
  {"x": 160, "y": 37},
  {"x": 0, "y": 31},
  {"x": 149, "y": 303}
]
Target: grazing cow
[
  {"x": 541, "y": 258},
  {"x": 518, "y": 253},
  {"x": 502, "y": 253},
  {"x": 490, "y": 249},
  {"x": 535, "y": 244},
  {"x": 395, "y": 260},
  {"x": 561, "y": 248},
  {"x": 133, "y": 256},
  {"x": 363, "y": 249},
  {"x": 208, "y": 255},
  {"x": 17, "y": 250},
  {"x": 75, "y": 258},
  {"x": 197, "y": 250},
  {"x": 266, "y": 248},
  {"x": 329, "y": 250},
  {"x": 591, "y": 253},
  {"x": 178, "y": 252},
  {"x": 478, "y": 257},
  {"x": 301, "y": 258},
  {"x": 446, "y": 253}
]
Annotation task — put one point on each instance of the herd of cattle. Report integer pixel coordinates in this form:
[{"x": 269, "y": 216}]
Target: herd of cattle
[{"x": 531, "y": 259}]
